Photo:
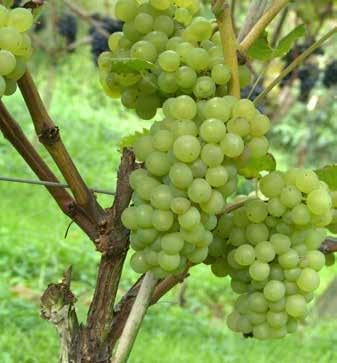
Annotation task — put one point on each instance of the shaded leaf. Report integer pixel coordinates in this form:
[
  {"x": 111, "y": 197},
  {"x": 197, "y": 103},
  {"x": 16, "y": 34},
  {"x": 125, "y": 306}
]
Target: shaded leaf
[
  {"x": 328, "y": 174},
  {"x": 252, "y": 168},
  {"x": 130, "y": 65},
  {"x": 286, "y": 43},
  {"x": 261, "y": 50},
  {"x": 129, "y": 140}
]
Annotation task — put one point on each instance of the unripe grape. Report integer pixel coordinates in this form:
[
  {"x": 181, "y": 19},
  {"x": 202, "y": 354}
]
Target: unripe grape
[
  {"x": 278, "y": 306},
  {"x": 143, "y": 24},
  {"x": 256, "y": 210},
  {"x": 189, "y": 219},
  {"x": 129, "y": 218},
  {"x": 275, "y": 207},
  {"x": 272, "y": 184},
  {"x": 244, "y": 255},
  {"x": 217, "y": 176},
  {"x": 172, "y": 243},
  {"x": 219, "y": 268},
  {"x": 259, "y": 125},
  {"x": 158, "y": 163},
  {"x": 232, "y": 145},
  {"x": 138, "y": 263},
  {"x": 300, "y": 214},
  {"x": 219, "y": 108},
  {"x": 165, "y": 24},
  {"x": 7, "y": 62},
  {"x": 221, "y": 74},
  {"x": 161, "y": 197},
  {"x": 289, "y": 259},
  {"x": 238, "y": 126},
  {"x": 257, "y": 232},
  {"x": 198, "y": 255},
  {"x": 212, "y": 155},
  {"x": 264, "y": 251},
  {"x": 184, "y": 108},
  {"x": 180, "y": 205},
  {"x": 215, "y": 205},
  {"x": 168, "y": 262},
  {"x": 259, "y": 271},
  {"x": 169, "y": 61},
  {"x": 186, "y": 77},
  {"x": 316, "y": 260},
  {"x": 296, "y": 306},
  {"x": 281, "y": 243},
  {"x": 187, "y": 148},
  {"x": 213, "y": 130},
  {"x": 319, "y": 201},
  {"x": 306, "y": 180},
  {"x": 144, "y": 216},
  {"x": 274, "y": 290},
  {"x": 204, "y": 87},
  {"x": 244, "y": 108},
  {"x": 276, "y": 272},
  {"x": 199, "y": 168},
  {"x": 162, "y": 220},
  {"x": 199, "y": 191},
  {"x": 126, "y": 10},
  {"x": 181, "y": 175},
  {"x": 277, "y": 319},
  {"x": 308, "y": 280},
  {"x": 261, "y": 331},
  {"x": 258, "y": 146},
  {"x": 290, "y": 196},
  {"x": 160, "y": 4},
  {"x": 20, "y": 19}
]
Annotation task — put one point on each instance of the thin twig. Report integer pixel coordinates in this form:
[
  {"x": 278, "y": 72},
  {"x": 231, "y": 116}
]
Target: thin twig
[
  {"x": 262, "y": 23},
  {"x": 255, "y": 11},
  {"x": 279, "y": 27},
  {"x": 222, "y": 12},
  {"x": 50, "y": 184},
  {"x": 135, "y": 319},
  {"x": 292, "y": 66}
]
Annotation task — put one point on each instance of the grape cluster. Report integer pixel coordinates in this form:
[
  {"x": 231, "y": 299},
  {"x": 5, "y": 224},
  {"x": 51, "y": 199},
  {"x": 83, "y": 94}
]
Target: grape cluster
[
  {"x": 184, "y": 49},
  {"x": 99, "y": 42},
  {"x": 67, "y": 27},
  {"x": 269, "y": 248},
  {"x": 330, "y": 75},
  {"x": 15, "y": 45},
  {"x": 189, "y": 173},
  {"x": 308, "y": 76}
]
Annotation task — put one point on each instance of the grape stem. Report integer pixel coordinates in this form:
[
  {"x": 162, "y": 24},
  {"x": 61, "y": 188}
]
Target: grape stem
[
  {"x": 135, "y": 319},
  {"x": 296, "y": 63},
  {"x": 329, "y": 245},
  {"x": 261, "y": 24},
  {"x": 222, "y": 12}
]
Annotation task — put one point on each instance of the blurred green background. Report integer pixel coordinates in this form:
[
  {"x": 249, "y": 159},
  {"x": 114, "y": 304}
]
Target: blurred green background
[{"x": 188, "y": 325}]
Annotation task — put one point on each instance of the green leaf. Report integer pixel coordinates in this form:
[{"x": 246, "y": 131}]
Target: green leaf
[
  {"x": 129, "y": 140},
  {"x": 261, "y": 50},
  {"x": 328, "y": 174},
  {"x": 252, "y": 168},
  {"x": 130, "y": 65},
  {"x": 286, "y": 43}
]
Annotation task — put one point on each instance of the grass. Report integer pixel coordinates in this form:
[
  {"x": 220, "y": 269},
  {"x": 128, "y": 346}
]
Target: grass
[{"x": 34, "y": 252}]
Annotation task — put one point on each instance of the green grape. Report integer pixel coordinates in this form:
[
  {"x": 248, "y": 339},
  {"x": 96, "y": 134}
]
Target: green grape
[
  {"x": 292, "y": 274},
  {"x": 256, "y": 318},
  {"x": 169, "y": 61},
  {"x": 183, "y": 16},
  {"x": 315, "y": 259},
  {"x": 199, "y": 191},
  {"x": 181, "y": 175},
  {"x": 11, "y": 87},
  {"x": 204, "y": 88},
  {"x": 281, "y": 243},
  {"x": 329, "y": 260},
  {"x": 160, "y": 4},
  {"x": 291, "y": 325},
  {"x": 212, "y": 155},
  {"x": 264, "y": 251},
  {"x": 185, "y": 127},
  {"x": 151, "y": 257},
  {"x": 210, "y": 222},
  {"x": 190, "y": 219},
  {"x": 144, "y": 50},
  {"x": 291, "y": 288},
  {"x": 215, "y": 205},
  {"x": 19, "y": 69},
  {"x": 271, "y": 222},
  {"x": 241, "y": 304},
  {"x": 319, "y": 201},
  {"x": 274, "y": 290},
  {"x": 272, "y": 184},
  {"x": 290, "y": 196},
  {"x": 198, "y": 59},
  {"x": 257, "y": 302},
  {"x": 276, "y": 272},
  {"x": 3, "y": 15},
  {"x": 167, "y": 82},
  {"x": 237, "y": 237},
  {"x": 172, "y": 243},
  {"x": 143, "y": 147},
  {"x": 277, "y": 319},
  {"x": 258, "y": 146},
  {"x": 289, "y": 259},
  {"x": 244, "y": 255},
  {"x": 184, "y": 108},
  {"x": 240, "y": 218},
  {"x": 194, "y": 236},
  {"x": 145, "y": 189},
  {"x": 296, "y": 306},
  {"x": 244, "y": 109},
  {"x": 244, "y": 325},
  {"x": 187, "y": 148},
  {"x": 173, "y": 43},
  {"x": 186, "y": 77},
  {"x": 168, "y": 262},
  {"x": 163, "y": 140},
  {"x": 232, "y": 145},
  {"x": 212, "y": 130},
  {"x": 129, "y": 97},
  {"x": 162, "y": 220},
  {"x": 275, "y": 207},
  {"x": 180, "y": 205},
  {"x": 306, "y": 180},
  {"x": 161, "y": 197},
  {"x": 158, "y": 163},
  {"x": 129, "y": 218},
  {"x": 21, "y": 19},
  {"x": 257, "y": 232},
  {"x": 165, "y": 24},
  {"x": 10, "y": 39},
  {"x": 147, "y": 236},
  {"x": 200, "y": 28},
  {"x": 126, "y": 10},
  {"x": 232, "y": 321},
  {"x": 198, "y": 255},
  {"x": 239, "y": 287},
  {"x": 157, "y": 39},
  {"x": 259, "y": 271},
  {"x": 278, "y": 333},
  {"x": 218, "y": 108},
  {"x": 322, "y": 220},
  {"x": 147, "y": 105},
  {"x": 278, "y": 306},
  {"x": 217, "y": 176},
  {"x": 144, "y": 216},
  {"x": 259, "y": 125},
  {"x": 7, "y": 62},
  {"x": 229, "y": 188},
  {"x": 219, "y": 268},
  {"x": 262, "y": 331},
  {"x": 138, "y": 263},
  {"x": 144, "y": 23},
  {"x": 130, "y": 31},
  {"x": 2, "y": 86},
  {"x": 308, "y": 280},
  {"x": 136, "y": 177},
  {"x": 256, "y": 210},
  {"x": 300, "y": 214},
  {"x": 184, "y": 49},
  {"x": 239, "y": 126},
  {"x": 221, "y": 74}
]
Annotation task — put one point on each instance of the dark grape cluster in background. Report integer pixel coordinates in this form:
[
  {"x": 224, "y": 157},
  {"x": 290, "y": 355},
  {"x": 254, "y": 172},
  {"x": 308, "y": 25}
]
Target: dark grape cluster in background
[
  {"x": 99, "y": 43},
  {"x": 16, "y": 4},
  {"x": 330, "y": 74},
  {"x": 67, "y": 27},
  {"x": 245, "y": 92}
]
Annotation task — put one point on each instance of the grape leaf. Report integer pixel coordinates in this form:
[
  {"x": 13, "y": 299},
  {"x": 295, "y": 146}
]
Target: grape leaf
[
  {"x": 261, "y": 50},
  {"x": 252, "y": 168},
  {"x": 287, "y": 42},
  {"x": 328, "y": 174},
  {"x": 130, "y": 65},
  {"x": 129, "y": 140}
]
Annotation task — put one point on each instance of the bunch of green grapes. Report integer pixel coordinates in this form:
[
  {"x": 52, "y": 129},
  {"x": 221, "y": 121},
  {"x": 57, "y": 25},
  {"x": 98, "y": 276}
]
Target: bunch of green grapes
[
  {"x": 15, "y": 46},
  {"x": 269, "y": 248},
  {"x": 189, "y": 160},
  {"x": 184, "y": 48}
]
